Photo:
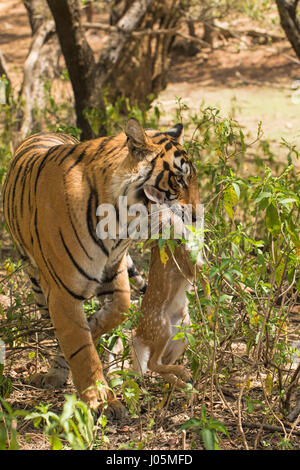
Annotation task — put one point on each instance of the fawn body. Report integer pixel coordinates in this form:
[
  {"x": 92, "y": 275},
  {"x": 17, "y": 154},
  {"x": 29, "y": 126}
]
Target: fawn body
[{"x": 165, "y": 308}]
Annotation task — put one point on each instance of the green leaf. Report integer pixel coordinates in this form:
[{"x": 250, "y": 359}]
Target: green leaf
[
  {"x": 236, "y": 189},
  {"x": 272, "y": 219},
  {"x": 230, "y": 200},
  {"x": 279, "y": 272},
  {"x": 288, "y": 200},
  {"x": 208, "y": 437},
  {"x": 191, "y": 423},
  {"x": 55, "y": 442},
  {"x": 218, "y": 426},
  {"x": 191, "y": 339},
  {"x": 263, "y": 195}
]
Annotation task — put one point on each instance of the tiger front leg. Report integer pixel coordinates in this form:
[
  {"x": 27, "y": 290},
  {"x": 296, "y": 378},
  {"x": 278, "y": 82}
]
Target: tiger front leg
[
  {"x": 116, "y": 307},
  {"x": 76, "y": 342}
]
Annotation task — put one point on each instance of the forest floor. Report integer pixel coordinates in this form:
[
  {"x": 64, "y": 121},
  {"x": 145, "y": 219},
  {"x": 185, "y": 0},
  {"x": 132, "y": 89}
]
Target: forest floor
[{"x": 253, "y": 82}]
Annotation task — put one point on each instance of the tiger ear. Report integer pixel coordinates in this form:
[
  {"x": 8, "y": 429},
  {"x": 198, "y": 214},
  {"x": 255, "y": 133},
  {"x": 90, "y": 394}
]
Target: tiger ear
[
  {"x": 136, "y": 138},
  {"x": 176, "y": 132},
  {"x": 154, "y": 194}
]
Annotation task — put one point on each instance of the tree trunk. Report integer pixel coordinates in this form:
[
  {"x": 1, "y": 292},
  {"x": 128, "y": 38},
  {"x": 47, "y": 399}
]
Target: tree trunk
[
  {"x": 3, "y": 67},
  {"x": 209, "y": 32},
  {"x": 289, "y": 21},
  {"x": 133, "y": 64},
  {"x": 142, "y": 69},
  {"x": 41, "y": 65},
  {"x": 80, "y": 62}
]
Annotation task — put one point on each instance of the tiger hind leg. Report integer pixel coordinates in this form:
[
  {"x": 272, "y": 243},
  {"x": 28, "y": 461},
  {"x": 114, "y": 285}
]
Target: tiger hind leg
[{"x": 58, "y": 373}]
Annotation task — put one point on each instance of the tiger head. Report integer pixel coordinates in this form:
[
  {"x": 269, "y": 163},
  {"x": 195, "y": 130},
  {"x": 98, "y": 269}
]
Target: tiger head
[{"x": 167, "y": 175}]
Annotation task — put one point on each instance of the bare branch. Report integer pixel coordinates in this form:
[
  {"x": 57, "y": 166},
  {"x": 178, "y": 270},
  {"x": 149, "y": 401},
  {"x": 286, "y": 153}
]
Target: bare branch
[{"x": 126, "y": 25}]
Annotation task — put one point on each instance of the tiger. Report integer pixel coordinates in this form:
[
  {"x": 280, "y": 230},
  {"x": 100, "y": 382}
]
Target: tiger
[{"x": 52, "y": 190}]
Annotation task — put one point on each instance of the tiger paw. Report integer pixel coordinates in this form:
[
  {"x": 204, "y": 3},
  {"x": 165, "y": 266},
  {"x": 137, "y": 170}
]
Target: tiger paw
[{"x": 114, "y": 410}]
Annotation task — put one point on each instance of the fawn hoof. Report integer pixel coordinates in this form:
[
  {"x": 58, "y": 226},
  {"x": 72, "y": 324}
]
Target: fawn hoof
[{"x": 186, "y": 376}]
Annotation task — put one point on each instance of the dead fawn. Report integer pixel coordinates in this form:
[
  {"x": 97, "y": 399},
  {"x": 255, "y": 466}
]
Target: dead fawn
[{"x": 165, "y": 308}]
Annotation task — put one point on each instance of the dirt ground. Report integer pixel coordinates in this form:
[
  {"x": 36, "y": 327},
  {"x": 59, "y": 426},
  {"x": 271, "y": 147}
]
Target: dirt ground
[{"x": 253, "y": 81}]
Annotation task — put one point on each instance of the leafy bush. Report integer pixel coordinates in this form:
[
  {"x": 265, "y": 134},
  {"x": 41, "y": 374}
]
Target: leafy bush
[{"x": 252, "y": 264}]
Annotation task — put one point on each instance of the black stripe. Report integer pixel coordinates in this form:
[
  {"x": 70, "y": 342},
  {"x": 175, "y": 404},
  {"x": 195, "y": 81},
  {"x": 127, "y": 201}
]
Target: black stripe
[
  {"x": 72, "y": 224},
  {"x": 108, "y": 280},
  {"x": 91, "y": 229},
  {"x": 158, "y": 178},
  {"x": 100, "y": 148},
  {"x": 78, "y": 350},
  {"x": 79, "y": 159},
  {"x": 42, "y": 164},
  {"x": 82, "y": 272},
  {"x": 147, "y": 177},
  {"x": 28, "y": 168},
  {"x": 118, "y": 243},
  {"x": 76, "y": 296},
  {"x": 79, "y": 241},
  {"x": 113, "y": 149},
  {"x": 12, "y": 202},
  {"x": 123, "y": 249},
  {"x": 41, "y": 306},
  {"x": 56, "y": 155},
  {"x": 34, "y": 281},
  {"x": 164, "y": 139},
  {"x": 177, "y": 166},
  {"x": 36, "y": 290},
  {"x": 40, "y": 247},
  {"x": 179, "y": 153},
  {"x": 51, "y": 271},
  {"x": 13, "y": 216},
  {"x": 69, "y": 152},
  {"x": 24, "y": 151},
  {"x": 168, "y": 146},
  {"x": 169, "y": 180}
]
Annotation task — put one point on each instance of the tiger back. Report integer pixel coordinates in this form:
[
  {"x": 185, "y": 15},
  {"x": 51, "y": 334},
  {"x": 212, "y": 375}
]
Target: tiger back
[{"x": 52, "y": 191}]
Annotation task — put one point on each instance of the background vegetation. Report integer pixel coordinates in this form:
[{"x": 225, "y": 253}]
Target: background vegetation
[{"x": 244, "y": 350}]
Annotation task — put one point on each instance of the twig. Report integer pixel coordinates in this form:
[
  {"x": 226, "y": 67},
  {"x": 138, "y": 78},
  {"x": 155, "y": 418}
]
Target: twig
[
  {"x": 268, "y": 427},
  {"x": 239, "y": 403},
  {"x": 115, "y": 29}
]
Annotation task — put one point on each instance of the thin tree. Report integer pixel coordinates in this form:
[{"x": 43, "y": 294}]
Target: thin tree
[
  {"x": 41, "y": 65},
  {"x": 290, "y": 22},
  {"x": 134, "y": 62}
]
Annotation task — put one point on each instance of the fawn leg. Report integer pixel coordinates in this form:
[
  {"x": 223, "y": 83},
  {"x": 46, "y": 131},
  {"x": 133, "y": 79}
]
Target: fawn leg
[{"x": 170, "y": 372}]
